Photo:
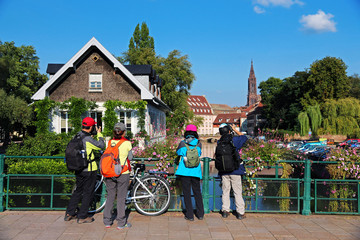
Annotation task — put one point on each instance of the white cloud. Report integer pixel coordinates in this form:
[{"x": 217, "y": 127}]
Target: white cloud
[
  {"x": 319, "y": 22},
  {"x": 259, "y": 10},
  {"x": 281, "y": 3}
]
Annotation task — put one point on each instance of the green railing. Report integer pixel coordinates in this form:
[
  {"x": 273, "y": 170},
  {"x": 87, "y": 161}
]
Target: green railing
[{"x": 306, "y": 194}]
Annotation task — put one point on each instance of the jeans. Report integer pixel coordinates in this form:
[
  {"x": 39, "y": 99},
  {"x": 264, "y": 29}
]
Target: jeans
[
  {"x": 194, "y": 183},
  {"x": 84, "y": 192}
]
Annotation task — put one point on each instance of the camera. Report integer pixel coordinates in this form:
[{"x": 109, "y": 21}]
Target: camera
[{"x": 94, "y": 131}]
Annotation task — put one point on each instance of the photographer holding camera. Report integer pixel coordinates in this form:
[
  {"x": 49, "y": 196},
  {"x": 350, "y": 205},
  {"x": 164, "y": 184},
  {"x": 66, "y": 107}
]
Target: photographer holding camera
[
  {"x": 86, "y": 178},
  {"x": 230, "y": 167}
]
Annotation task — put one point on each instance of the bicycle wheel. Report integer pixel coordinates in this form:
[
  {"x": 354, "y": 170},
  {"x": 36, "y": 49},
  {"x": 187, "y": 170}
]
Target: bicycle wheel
[
  {"x": 152, "y": 196},
  {"x": 99, "y": 200}
]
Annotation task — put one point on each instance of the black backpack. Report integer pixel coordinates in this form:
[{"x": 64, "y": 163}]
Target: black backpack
[
  {"x": 227, "y": 159},
  {"x": 75, "y": 154}
]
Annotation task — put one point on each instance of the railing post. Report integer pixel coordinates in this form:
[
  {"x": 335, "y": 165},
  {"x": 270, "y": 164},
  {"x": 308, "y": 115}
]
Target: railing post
[
  {"x": 205, "y": 185},
  {"x": 2, "y": 163},
  {"x": 307, "y": 188},
  {"x": 103, "y": 194}
]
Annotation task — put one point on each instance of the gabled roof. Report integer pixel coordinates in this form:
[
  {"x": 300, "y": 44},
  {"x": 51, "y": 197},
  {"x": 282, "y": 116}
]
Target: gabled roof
[
  {"x": 229, "y": 118},
  {"x": 139, "y": 69},
  {"x": 220, "y": 106},
  {"x": 44, "y": 90},
  {"x": 199, "y": 105},
  {"x": 52, "y": 68}
]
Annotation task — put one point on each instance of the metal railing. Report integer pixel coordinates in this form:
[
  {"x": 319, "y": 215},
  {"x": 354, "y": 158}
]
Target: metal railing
[{"x": 307, "y": 194}]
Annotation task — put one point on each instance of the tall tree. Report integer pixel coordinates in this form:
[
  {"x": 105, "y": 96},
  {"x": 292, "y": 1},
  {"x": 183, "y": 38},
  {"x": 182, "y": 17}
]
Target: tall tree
[
  {"x": 269, "y": 91},
  {"x": 327, "y": 80},
  {"x": 14, "y": 114},
  {"x": 175, "y": 70},
  {"x": 354, "y": 86},
  {"x": 19, "y": 70},
  {"x": 141, "y": 47}
]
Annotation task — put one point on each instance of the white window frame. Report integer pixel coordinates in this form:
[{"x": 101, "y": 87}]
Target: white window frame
[
  {"x": 68, "y": 128},
  {"x": 126, "y": 119},
  {"x": 96, "y": 79}
]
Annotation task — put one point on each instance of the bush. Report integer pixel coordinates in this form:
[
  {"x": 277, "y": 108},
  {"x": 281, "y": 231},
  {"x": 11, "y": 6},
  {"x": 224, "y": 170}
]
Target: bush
[
  {"x": 39, "y": 166},
  {"x": 47, "y": 144}
]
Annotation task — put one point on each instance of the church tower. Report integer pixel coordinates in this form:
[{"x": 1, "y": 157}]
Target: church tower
[{"x": 252, "y": 91}]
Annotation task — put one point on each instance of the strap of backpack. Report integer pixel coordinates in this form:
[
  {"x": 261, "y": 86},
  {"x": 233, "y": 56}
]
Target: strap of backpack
[{"x": 118, "y": 144}]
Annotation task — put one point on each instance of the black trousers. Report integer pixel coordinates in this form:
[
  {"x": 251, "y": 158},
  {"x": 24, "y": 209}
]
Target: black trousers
[
  {"x": 193, "y": 183},
  {"x": 84, "y": 192}
]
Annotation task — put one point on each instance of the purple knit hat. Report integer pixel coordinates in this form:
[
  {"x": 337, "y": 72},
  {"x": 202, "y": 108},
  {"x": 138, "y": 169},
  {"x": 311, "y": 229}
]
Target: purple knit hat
[{"x": 191, "y": 128}]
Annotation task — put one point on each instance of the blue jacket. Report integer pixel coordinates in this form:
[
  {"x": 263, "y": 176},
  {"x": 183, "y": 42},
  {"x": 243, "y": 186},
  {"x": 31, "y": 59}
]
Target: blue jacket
[
  {"x": 238, "y": 141},
  {"x": 181, "y": 151}
]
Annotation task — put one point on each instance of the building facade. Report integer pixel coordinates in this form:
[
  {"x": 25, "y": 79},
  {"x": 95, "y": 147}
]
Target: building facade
[
  {"x": 94, "y": 74},
  {"x": 236, "y": 119},
  {"x": 201, "y": 107}
]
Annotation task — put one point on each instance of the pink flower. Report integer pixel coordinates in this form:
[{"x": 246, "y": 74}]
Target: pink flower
[
  {"x": 333, "y": 191},
  {"x": 154, "y": 153},
  {"x": 262, "y": 146}
]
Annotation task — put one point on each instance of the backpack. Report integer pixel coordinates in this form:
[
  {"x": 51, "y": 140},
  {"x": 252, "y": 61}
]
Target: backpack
[
  {"x": 75, "y": 154},
  {"x": 110, "y": 165},
  {"x": 227, "y": 159},
  {"x": 192, "y": 155}
]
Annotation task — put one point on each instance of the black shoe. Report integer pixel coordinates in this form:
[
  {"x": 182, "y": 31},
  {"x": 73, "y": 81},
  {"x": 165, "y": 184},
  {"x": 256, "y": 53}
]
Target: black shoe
[
  {"x": 225, "y": 214},
  {"x": 68, "y": 217},
  {"x": 189, "y": 219},
  {"x": 86, "y": 220},
  {"x": 240, "y": 216},
  {"x": 201, "y": 218}
]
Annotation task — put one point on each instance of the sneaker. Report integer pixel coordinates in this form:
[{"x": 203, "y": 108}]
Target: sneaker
[
  {"x": 107, "y": 226},
  {"x": 86, "y": 220},
  {"x": 189, "y": 219},
  {"x": 225, "y": 214},
  {"x": 240, "y": 216},
  {"x": 68, "y": 217},
  {"x": 127, "y": 225},
  {"x": 201, "y": 218}
]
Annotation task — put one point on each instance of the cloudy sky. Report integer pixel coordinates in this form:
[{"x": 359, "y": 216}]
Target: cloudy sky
[{"x": 220, "y": 37}]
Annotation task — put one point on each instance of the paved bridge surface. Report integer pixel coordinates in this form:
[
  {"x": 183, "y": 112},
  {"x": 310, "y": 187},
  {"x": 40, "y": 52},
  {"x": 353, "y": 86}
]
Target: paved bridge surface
[{"x": 46, "y": 225}]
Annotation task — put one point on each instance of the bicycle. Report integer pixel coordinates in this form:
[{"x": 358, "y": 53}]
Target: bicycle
[{"x": 150, "y": 193}]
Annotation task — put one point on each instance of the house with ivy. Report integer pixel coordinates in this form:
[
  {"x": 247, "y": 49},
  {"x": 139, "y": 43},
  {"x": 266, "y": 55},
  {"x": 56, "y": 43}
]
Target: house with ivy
[{"x": 129, "y": 93}]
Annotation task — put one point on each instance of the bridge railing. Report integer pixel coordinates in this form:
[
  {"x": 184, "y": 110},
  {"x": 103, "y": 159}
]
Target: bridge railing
[{"x": 306, "y": 195}]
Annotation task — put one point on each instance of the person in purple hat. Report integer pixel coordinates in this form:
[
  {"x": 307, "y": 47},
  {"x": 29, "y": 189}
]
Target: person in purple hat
[{"x": 189, "y": 151}]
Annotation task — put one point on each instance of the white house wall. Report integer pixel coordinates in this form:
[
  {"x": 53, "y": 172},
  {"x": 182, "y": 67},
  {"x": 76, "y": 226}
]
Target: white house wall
[{"x": 159, "y": 134}]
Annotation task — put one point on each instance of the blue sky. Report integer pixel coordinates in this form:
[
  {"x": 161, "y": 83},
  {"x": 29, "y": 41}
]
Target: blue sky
[{"x": 220, "y": 37}]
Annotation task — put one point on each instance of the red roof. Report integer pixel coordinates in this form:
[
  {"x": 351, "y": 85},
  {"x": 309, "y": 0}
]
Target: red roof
[
  {"x": 229, "y": 118},
  {"x": 199, "y": 105}
]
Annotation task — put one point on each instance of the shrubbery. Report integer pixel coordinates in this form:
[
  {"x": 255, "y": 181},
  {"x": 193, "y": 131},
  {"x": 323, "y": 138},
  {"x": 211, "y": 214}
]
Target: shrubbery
[{"x": 47, "y": 144}]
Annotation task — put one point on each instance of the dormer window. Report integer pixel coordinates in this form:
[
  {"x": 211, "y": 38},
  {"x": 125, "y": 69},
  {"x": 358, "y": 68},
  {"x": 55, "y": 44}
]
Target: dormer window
[
  {"x": 95, "y": 82},
  {"x": 220, "y": 119}
]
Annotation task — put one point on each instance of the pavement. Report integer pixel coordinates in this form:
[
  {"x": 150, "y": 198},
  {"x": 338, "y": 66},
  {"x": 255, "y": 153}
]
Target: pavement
[{"x": 47, "y": 225}]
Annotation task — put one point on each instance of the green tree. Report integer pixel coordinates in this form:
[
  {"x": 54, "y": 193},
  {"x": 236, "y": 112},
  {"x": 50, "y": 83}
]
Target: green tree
[
  {"x": 289, "y": 99},
  {"x": 354, "y": 86},
  {"x": 174, "y": 70},
  {"x": 341, "y": 116},
  {"x": 19, "y": 75},
  {"x": 327, "y": 80},
  {"x": 269, "y": 91},
  {"x": 141, "y": 47},
  {"x": 14, "y": 114}
]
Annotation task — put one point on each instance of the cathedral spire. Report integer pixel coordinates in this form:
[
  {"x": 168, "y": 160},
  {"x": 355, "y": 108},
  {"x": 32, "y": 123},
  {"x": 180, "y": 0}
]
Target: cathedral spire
[{"x": 252, "y": 92}]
